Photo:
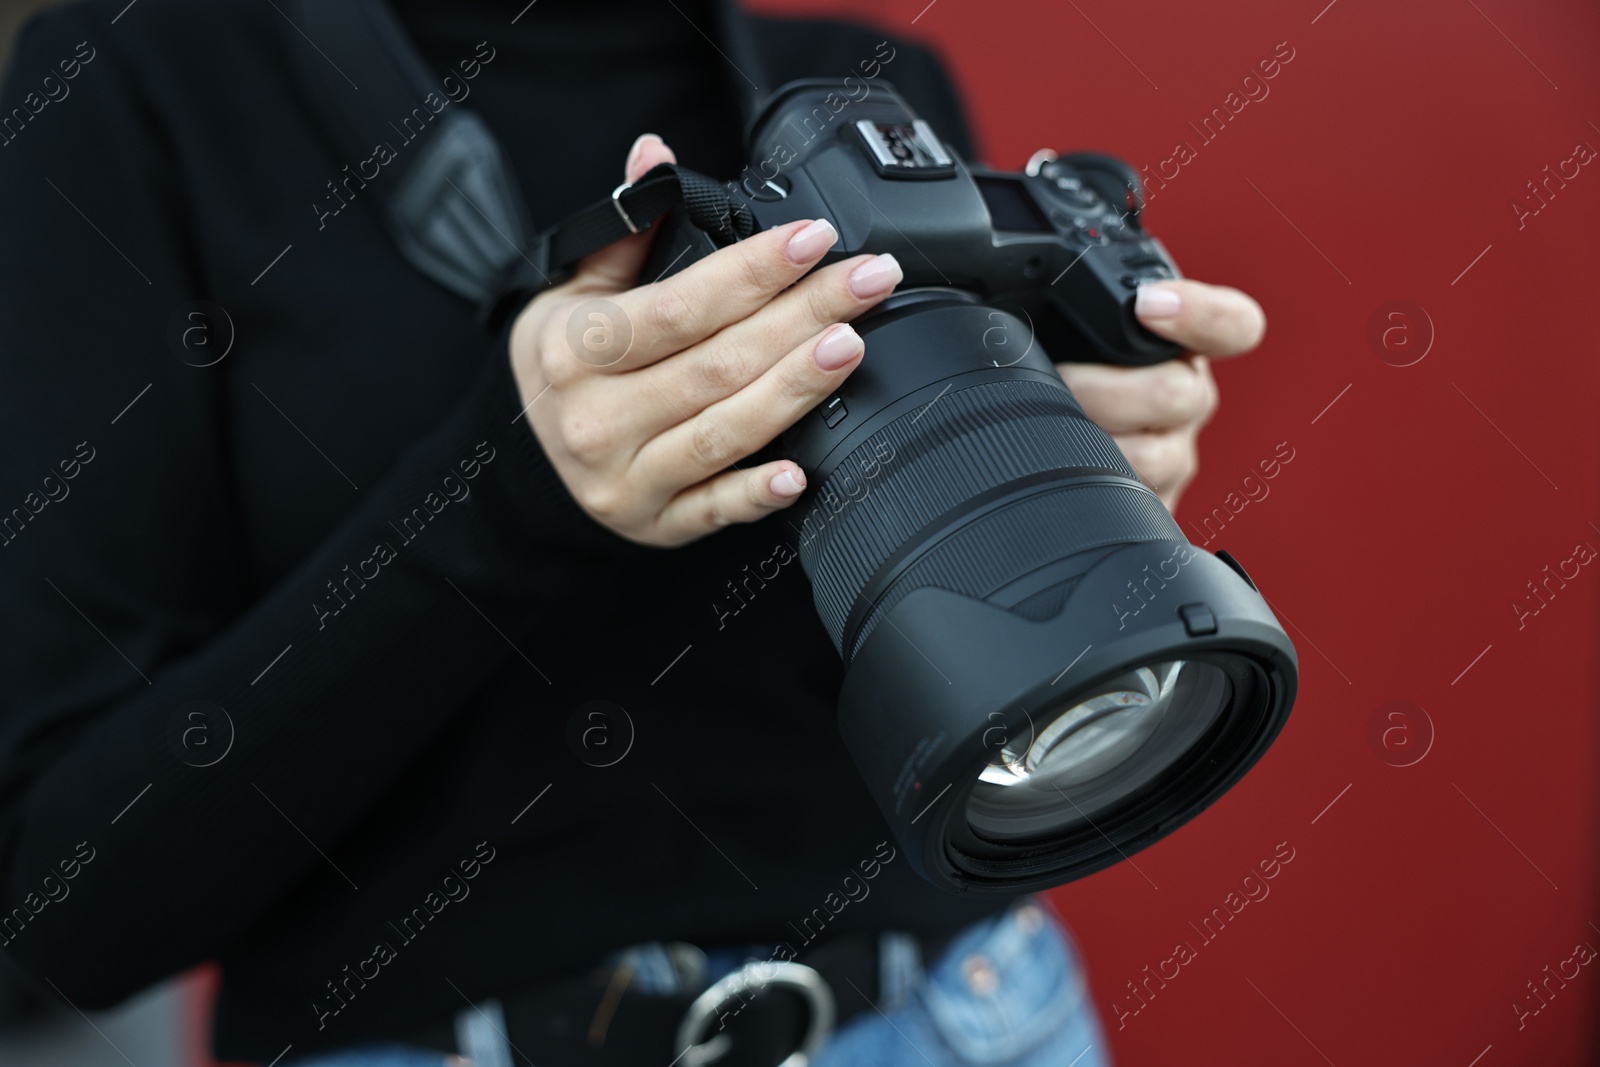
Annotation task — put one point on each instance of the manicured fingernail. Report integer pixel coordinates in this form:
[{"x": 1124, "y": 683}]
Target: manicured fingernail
[
  {"x": 788, "y": 483},
  {"x": 1156, "y": 302},
  {"x": 638, "y": 147},
  {"x": 839, "y": 346},
  {"x": 875, "y": 277},
  {"x": 812, "y": 241}
]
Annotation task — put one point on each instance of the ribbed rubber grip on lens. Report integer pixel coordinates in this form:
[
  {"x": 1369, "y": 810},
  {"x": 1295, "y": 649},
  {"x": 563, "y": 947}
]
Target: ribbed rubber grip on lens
[{"x": 877, "y": 505}]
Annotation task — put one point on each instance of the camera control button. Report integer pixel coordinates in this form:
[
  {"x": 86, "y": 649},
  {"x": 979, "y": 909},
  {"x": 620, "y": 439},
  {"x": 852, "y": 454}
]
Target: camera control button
[
  {"x": 1074, "y": 192},
  {"x": 771, "y": 190},
  {"x": 833, "y": 412},
  {"x": 1197, "y": 619}
]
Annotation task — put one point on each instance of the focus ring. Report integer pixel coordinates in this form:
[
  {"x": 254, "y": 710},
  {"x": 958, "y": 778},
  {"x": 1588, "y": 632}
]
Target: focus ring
[{"x": 926, "y": 464}]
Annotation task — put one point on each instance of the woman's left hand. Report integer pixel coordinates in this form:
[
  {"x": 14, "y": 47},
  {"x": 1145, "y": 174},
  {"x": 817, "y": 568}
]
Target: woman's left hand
[{"x": 1154, "y": 414}]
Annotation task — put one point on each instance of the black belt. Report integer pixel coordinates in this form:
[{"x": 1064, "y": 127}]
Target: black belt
[{"x": 597, "y": 1020}]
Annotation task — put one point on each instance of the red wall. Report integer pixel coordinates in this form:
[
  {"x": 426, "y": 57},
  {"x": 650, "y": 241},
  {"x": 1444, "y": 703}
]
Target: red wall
[{"x": 1384, "y": 160}]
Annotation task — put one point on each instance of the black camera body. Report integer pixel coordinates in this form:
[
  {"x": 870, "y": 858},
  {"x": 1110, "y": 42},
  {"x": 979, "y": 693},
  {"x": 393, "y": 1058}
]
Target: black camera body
[
  {"x": 1042, "y": 674},
  {"x": 1062, "y": 243}
]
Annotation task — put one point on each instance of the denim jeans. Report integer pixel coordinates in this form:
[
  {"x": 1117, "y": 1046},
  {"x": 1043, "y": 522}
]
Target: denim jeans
[{"x": 1007, "y": 992}]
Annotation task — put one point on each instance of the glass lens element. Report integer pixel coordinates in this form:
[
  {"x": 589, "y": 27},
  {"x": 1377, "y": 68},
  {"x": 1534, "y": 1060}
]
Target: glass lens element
[
  {"x": 1092, "y": 736},
  {"x": 1100, "y": 750}
]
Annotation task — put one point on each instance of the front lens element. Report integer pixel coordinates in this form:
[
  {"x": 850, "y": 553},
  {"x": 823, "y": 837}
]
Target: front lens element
[
  {"x": 1101, "y": 749},
  {"x": 1092, "y": 736}
]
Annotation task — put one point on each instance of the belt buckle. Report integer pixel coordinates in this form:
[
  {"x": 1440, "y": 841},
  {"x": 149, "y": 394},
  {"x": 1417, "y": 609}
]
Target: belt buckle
[{"x": 752, "y": 978}]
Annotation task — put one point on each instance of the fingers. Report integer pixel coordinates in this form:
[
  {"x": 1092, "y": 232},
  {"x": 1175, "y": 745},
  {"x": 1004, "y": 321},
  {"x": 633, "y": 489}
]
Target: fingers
[
  {"x": 734, "y": 496},
  {"x": 647, "y": 153},
  {"x": 670, "y": 315},
  {"x": 1166, "y": 462},
  {"x": 1166, "y": 396},
  {"x": 1213, "y": 319},
  {"x": 1154, "y": 414},
  {"x": 728, "y": 361},
  {"x": 616, "y": 266},
  {"x": 738, "y": 425}
]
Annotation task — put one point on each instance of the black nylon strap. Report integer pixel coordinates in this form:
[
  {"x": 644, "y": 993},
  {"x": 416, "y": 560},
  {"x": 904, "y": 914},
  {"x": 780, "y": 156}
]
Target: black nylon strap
[
  {"x": 711, "y": 205},
  {"x": 445, "y": 192}
]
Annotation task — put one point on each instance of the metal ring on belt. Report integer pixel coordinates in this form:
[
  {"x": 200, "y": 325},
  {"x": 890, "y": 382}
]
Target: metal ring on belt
[{"x": 752, "y": 978}]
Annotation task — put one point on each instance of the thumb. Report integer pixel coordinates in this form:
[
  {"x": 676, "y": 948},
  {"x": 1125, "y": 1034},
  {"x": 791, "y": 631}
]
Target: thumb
[{"x": 616, "y": 266}]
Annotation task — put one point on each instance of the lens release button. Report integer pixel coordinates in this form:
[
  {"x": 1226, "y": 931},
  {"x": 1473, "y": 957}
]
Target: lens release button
[{"x": 1197, "y": 619}]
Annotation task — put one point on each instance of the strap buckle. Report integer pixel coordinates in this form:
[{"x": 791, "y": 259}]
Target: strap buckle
[
  {"x": 616, "y": 202},
  {"x": 752, "y": 978}
]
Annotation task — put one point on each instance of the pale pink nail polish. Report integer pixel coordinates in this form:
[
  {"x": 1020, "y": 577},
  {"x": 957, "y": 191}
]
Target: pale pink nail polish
[
  {"x": 838, "y": 346},
  {"x": 637, "y": 149},
  {"x": 788, "y": 483},
  {"x": 875, "y": 277},
  {"x": 1156, "y": 302},
  {"x": 812, "y": 241}
]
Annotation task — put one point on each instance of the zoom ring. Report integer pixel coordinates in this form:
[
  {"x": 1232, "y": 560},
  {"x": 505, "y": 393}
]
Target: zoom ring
[{"x": 929, "y": 462}]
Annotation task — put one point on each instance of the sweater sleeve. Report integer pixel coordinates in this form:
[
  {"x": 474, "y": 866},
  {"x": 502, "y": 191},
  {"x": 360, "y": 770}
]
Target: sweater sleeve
[{"x": 177, "y": 746}]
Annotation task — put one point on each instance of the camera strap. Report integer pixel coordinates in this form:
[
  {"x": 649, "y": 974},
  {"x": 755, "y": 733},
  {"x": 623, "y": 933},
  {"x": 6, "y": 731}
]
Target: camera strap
[
  {"x": 439, "y": 180},
  {"x": 444, "y": 190},
  {"x": 711, "y": 205}
]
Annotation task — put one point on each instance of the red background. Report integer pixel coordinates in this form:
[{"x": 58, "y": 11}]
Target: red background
[{"x": 1419, "y": 905}]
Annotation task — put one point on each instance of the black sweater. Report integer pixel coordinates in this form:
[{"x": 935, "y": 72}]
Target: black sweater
[{"x": 294, "y": 639}]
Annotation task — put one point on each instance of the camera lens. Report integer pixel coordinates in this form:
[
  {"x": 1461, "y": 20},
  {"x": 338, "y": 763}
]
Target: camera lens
[
  {"x": 1091, "y": 736},
  {"x": 1067, "y": 768},
  {"x": 1043, "y": 675}
]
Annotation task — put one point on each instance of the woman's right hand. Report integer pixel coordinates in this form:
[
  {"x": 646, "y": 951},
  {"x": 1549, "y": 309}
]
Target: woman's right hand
[{"x": 642, "y": 396}]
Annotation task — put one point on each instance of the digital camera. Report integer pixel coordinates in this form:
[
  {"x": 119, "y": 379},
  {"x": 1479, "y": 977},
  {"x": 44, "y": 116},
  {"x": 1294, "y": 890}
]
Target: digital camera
[{"x": 1043, "y": 674}]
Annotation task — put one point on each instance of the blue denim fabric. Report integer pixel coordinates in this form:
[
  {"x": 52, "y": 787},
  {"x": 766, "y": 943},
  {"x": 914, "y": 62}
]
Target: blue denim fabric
[{"x": 1007, "y": 992}]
